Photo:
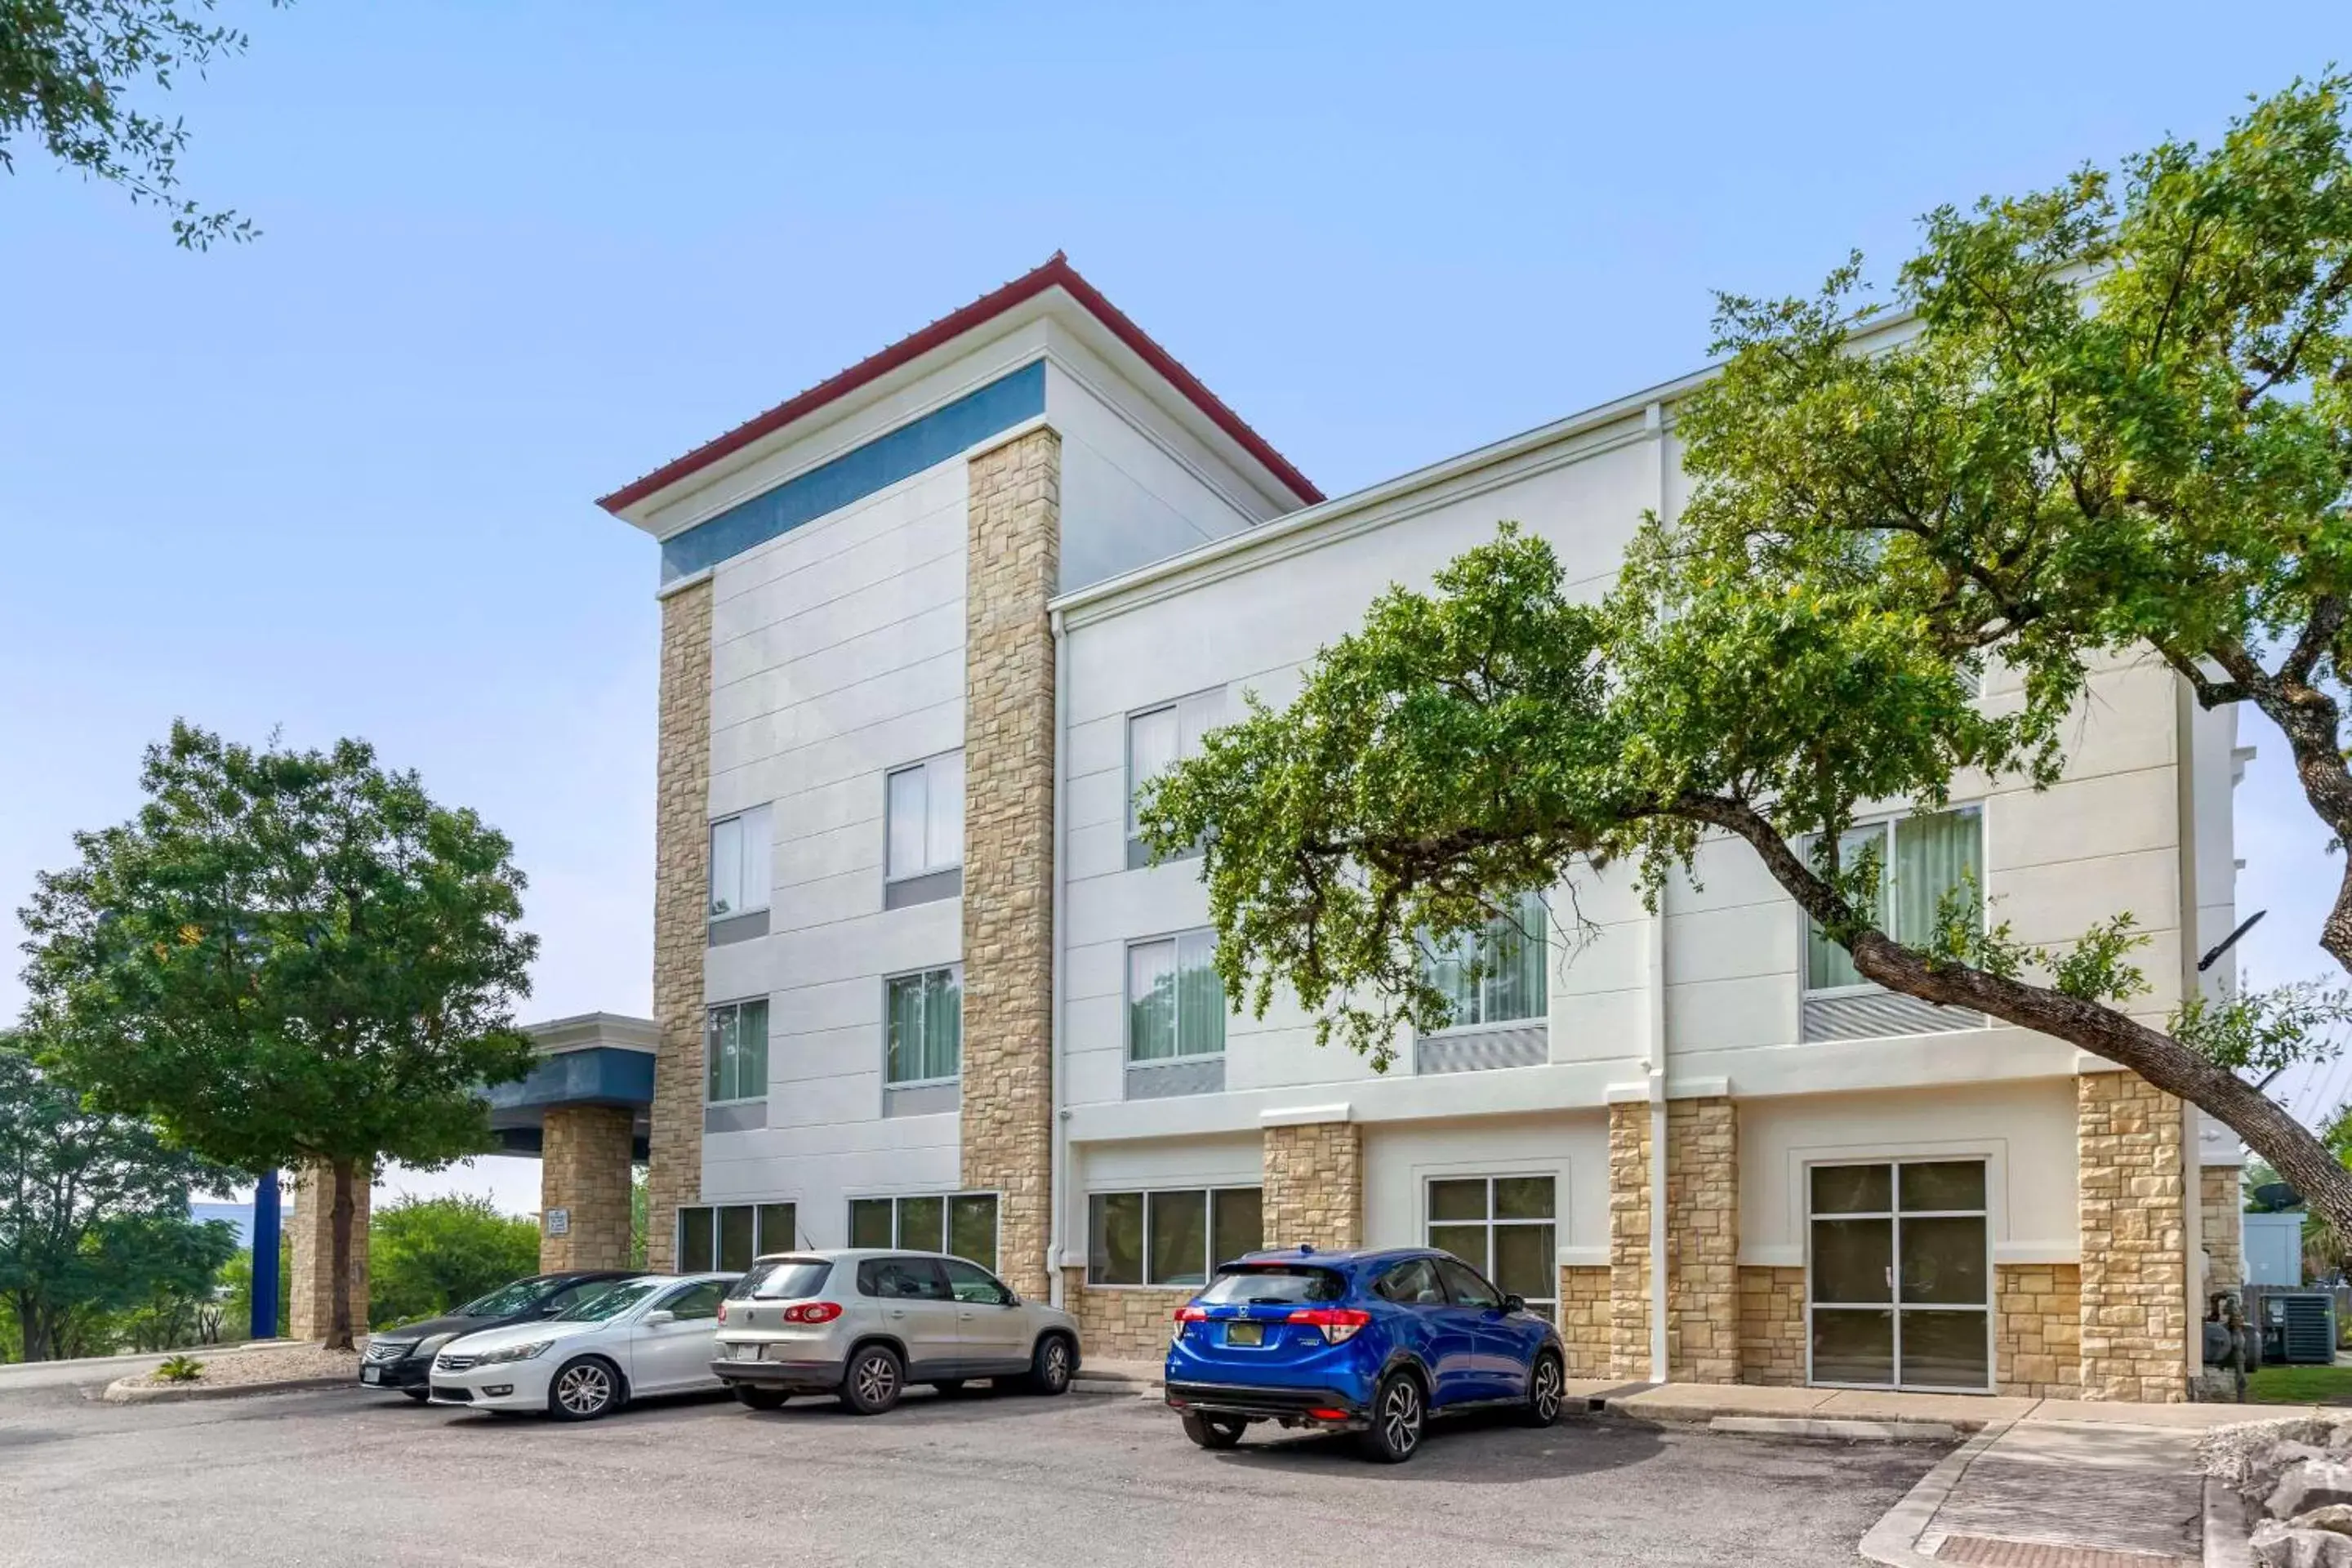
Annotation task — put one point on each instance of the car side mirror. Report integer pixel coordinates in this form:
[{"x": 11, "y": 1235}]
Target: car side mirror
[
  {"x": 1515, "y": 1303},
  {"x": 659, "y": 1316}
]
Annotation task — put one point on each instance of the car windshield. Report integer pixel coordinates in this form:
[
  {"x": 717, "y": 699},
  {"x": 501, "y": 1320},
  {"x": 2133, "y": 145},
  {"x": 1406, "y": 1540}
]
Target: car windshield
[
  {"x": 1277, "y": 1285},
  {"x": 783, "y": 1279},
  {"x": 606, "y": 1305},
  {"x": 506, "y": 1300}
]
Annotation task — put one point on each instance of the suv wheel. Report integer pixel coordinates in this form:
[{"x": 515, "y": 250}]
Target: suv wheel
[
  {"x": 1049, "y": 1368},
  {"x": 752, "y": 1396},
  {"x": 584, "y": 1390},
  {"x": 874, "y": 1382},
  {"x": 1545, "y": 1386},
  {"x": 1399, "y": 1413},
  {"x": 1215, "y": 1431}
]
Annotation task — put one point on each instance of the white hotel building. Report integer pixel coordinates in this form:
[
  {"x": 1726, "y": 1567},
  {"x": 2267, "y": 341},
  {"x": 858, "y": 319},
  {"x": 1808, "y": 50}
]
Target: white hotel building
[{"x": 926, "y": 626}]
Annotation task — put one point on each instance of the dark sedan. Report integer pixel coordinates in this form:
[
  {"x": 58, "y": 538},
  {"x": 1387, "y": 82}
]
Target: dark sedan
[{"x": 402, "y": 1358}]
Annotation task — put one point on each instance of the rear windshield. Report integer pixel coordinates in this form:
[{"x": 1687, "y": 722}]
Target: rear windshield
[
  {"x": 605, "y": 1305},
  {"x": 782, "y": 1279},
  {"x": 1275, "y": 1286}
]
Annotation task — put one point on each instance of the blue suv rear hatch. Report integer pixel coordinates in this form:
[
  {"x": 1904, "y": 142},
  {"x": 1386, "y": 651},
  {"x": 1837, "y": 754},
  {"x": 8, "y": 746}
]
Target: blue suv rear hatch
[{"x": 1272, "y": 1326}]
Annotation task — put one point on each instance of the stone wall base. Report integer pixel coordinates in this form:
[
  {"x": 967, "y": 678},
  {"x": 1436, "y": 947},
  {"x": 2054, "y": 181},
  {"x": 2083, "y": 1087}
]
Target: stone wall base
[
  {"x": 1584, "y": 1320},
  {"x": 2037, "y": 1335},
  {"x": 1772, "y": 1327},
  {"x": 1123, "y": 1324}
]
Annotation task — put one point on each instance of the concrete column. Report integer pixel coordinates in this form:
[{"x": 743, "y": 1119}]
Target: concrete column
[
  {"x": 681, "y": 916},
  {"x": 583, "y": 1187},
  {"x": 1013, "y": 524},
  {"x": 1313, "y": 1186},
  {"x": 2127, "y": 1136},
  {"x": 313, "y": 1226}
]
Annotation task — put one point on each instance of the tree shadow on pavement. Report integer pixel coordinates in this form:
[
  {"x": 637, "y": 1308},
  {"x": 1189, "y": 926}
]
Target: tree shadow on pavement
[{"x": 1484, "y": 1449}]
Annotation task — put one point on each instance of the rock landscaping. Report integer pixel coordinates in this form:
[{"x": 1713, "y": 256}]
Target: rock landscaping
[
  {"x": 2296, "y": 1479},
  {"x": 247, "y": 1371}
]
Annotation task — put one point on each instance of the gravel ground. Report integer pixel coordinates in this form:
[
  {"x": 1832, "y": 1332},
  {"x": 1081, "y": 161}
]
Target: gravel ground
[
  {"x": 275, "y": 1364},
  {"x": 1102, "y": 1480}
]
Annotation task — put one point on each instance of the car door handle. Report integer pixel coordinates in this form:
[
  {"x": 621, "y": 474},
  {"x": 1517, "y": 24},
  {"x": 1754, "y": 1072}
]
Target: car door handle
[{"x": 897, "y": 1311}]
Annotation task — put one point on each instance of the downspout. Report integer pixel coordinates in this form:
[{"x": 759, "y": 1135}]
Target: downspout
[
  {"x": 1056, "y": 1193},
  {"x": 1653, "y": 424}
]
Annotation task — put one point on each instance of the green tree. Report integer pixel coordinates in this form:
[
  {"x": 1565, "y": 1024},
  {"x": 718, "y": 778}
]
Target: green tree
[
  {"x": 428, "y": 1254},
  {"x": 638, "y": 1217},
  {"x": 93, "y": 1213},
  {"x": 237, "y": 1278},
  {"x": 70, "y": 73},
  {"x": 289, "y": 959},
  {"x": 2113, "y": 419}
]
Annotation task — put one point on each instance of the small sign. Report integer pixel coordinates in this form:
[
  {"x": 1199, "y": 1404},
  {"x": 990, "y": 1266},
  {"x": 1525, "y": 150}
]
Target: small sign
[{"x": 558, "y": 1221}]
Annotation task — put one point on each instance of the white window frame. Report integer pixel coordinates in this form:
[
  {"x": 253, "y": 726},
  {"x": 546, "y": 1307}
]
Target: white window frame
[
  {"x": 1541, "y": 904},
  {"x": 1207, "y": 708},
  {"x": 711, "y": 1010},
  {"x": 1883, "y": 824},
  {"x": 952, "y": 970},
  {"x": 947, "y": 1220},
  {"x": 1893, "y": 1303},
  {"x": 1126, "y": 997},
  {"x": 1486, "y": 1267},
  {"x": 1207, "y": 1191},
  {"x": 892, "y": 872},
  {"x": 754, "y": 872}
]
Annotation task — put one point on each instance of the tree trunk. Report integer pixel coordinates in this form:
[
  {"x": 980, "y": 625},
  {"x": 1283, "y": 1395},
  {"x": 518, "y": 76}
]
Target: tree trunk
[
  {"x": 2307, "y": 1164},
  {"x": 338, "y": 1289},
  {"x": 2310, "y": 721}
]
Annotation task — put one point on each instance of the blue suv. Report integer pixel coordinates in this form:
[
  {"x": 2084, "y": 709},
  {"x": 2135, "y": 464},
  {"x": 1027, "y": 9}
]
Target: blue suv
[{"x": 1371, "y": 1342}]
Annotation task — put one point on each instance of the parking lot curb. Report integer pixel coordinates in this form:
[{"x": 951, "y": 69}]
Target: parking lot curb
[
  {"x": 1893, "y": 1541},
  {"x": 137, "y": 1390},
  {"x": 1848, "y": 1429}
]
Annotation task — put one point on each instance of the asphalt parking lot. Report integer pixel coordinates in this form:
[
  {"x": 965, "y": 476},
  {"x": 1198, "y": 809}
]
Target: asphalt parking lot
[{"x": 1103, "y": 1480}]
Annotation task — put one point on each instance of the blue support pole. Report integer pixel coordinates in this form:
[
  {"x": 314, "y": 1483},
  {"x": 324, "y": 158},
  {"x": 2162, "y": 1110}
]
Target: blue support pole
[{"x": 265, "y": 1256}]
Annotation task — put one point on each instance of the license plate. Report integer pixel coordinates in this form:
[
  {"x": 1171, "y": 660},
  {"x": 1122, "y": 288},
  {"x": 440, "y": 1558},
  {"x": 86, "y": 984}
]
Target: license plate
[
  {"x": 1244, "y": 1333},
  {"x": 747, "y": 1352},
  {"x": 370, "y": 1374}
]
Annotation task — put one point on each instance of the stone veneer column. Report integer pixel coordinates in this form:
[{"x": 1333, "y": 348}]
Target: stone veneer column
[
  {"x": 2220, "y": 1195},
  {"x": 1012, "y": 529},
  {"x": 1772, "y": 1326},
  {"x": 583, "y": 1170},
  {"x": 1314, "y": 1192},
  {"x": 312, "y": 1226},
  {"x": 1584, "y": 1319},
  {"x": 2127, "y": 1139},
  {"x": 1702, "y": 1241},
  {"x": 681, "y": 916},
  {"x": 2037, "y": 1330},
  {"x": 1629, "y": 1239}
]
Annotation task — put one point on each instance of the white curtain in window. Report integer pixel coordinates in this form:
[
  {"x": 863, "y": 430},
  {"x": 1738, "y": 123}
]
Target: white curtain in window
[
  {"x": 908, "y": 826},
  {"x": 943, "y": 821},
  {"x": 1934, "y": 854},
  {"x": 1200, "y": 996},
  {"x": 726, "y": 867},
  {"x": 1150, "y": 1001},
  {"x": 759, "y": 863},
  {"x": 1152, "y": 744}
]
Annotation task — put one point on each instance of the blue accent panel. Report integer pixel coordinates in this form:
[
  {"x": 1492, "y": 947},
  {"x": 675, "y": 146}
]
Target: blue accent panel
[
  {"x": 854, "y": 474},
  {"x": 600, "y": 1077},
  {"x": 264, "y": 1322}
]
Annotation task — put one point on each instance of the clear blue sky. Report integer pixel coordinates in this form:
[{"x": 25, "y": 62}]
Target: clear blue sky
[{"x": 340, "y": 480}]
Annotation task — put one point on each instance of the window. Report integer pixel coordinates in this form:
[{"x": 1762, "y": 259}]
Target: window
[
  {"x": 1175, "y": 1002},
  {"x": 1920, "y": 858},
  {"x": 1499, "y": 975},
  {"x": 698, "y": 1300},
  {"x": 1413, "y": 1283},
  {"x": 735, "y": 1051},
  {"x": 1505, "y": 1227},
  {"x": 1898, "y": 1274},
  {"x": 1170, "y": 1237},
  {"x": 971, "y": 1282},
  {"x": 739, "y": 864},
  {"x": 925, "y": 1015},
  {"x": 925, "y": 829},
  {"x": 1161, "y": 737},
  {"x": 729, "y": 1236},
  {"x": 960, "y": 1224},
  {"x": 903, "y": 1280},
  {"x": 784, "y": 1279},
  {"x": 1465, "y": 1286},
  {"x": 1273, "y": 1282}
]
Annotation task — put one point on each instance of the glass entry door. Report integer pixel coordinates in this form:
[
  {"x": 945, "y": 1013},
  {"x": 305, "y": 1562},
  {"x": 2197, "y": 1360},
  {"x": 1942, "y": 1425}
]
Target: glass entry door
[{"x": 1898, "y": 1274}]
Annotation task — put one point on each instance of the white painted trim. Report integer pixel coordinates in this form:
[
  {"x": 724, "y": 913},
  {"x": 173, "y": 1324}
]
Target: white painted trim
[
  {"x": 1207, "y": 480},
  {"x": 691, "y": 580},
  {"x": 1004, "y": 438},
  {"x": 1583, "y": 1257},
  {"x": 1699, "y": 1089},
  {"x": 1627, "y": 1093},
  {"x": 2035, "y": 1252},
  {"x": 1305, "y": 1115},
  {"x": 1779, "y": 1255},
  {"x": 1059, "y": 1158}
]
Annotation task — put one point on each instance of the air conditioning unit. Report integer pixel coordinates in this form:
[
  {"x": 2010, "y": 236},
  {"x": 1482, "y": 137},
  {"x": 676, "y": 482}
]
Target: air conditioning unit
[{"x": 2299, "y": 1327}]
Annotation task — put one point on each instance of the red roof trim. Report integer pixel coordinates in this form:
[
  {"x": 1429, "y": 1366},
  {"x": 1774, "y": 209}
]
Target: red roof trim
[{"x": 1056, "y": 273}]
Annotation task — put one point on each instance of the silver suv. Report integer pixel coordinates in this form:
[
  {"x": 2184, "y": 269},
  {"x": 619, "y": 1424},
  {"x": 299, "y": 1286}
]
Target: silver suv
[{"x": 863, "y": 1324}]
